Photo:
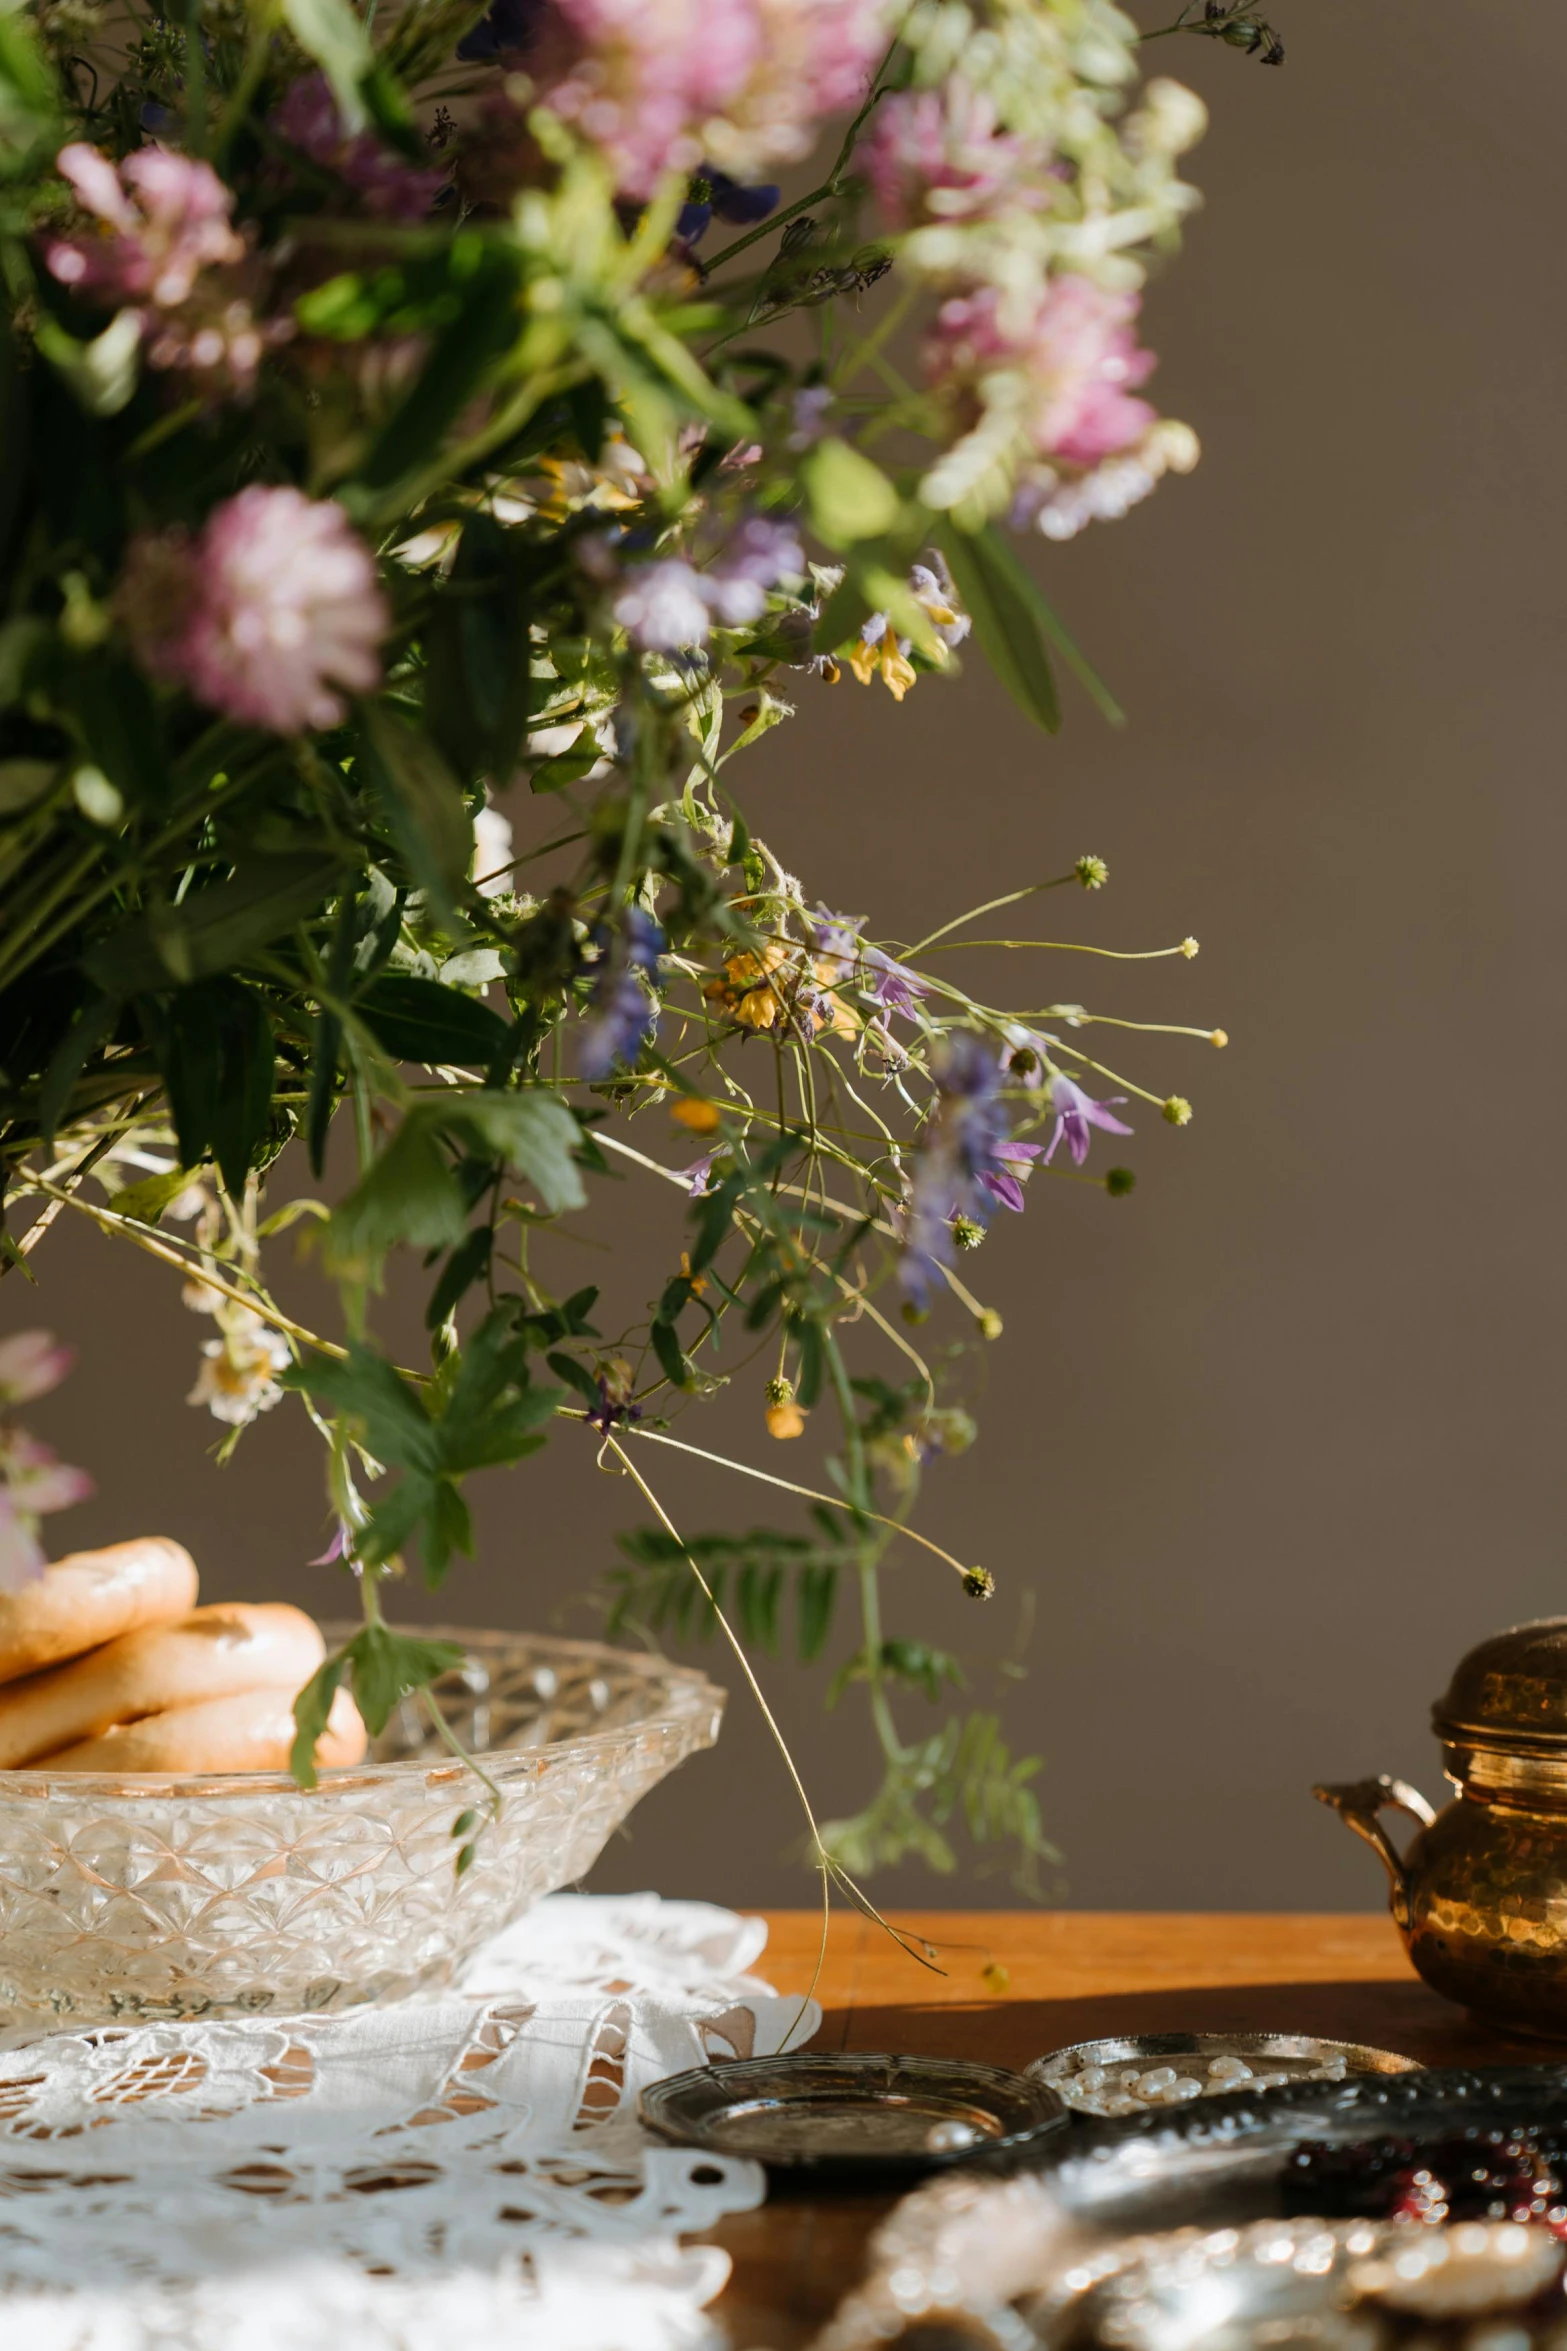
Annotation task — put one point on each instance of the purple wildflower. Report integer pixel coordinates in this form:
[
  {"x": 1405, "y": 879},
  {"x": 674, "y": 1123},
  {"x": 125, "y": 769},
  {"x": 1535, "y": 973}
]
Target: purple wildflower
[
  {"x": 844, "y": 958},
  {"x": 1075, "y": 1113},
  {"x": 621, "y": 1015},
  {"x": 698, "y": 1177},
  {"x": 614, "y": 1404},
  {"x": 1014, "y": 1165},
  {"x": 963, "y": 1169},
  {"x": 340, "y": 1547},
  {"x": 661, "y": 606},
  {"x": 894, "y": 986},
  {"x": 742, "y": 207},
  {"x": 808, "y": 415},
  {"x": 669, "y": 606}
]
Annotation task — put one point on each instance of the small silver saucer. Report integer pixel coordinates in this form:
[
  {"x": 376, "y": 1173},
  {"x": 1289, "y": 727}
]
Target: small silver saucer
[
  {"x": 857, "y": 2114},
  {"x": 1273, "y": 2059}
]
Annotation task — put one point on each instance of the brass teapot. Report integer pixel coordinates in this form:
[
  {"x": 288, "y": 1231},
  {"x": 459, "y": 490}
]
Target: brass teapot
[{"x": 1480, "y": 1896}]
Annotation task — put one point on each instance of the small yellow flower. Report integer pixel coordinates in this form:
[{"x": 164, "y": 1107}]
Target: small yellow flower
[
  {"x": 698, "y": 1281},
  {"x": 785, "y": 1418},
  {"x": 897, "y": 672},
  {"x": 758, "y": 1008},
  {"x": 697, "y": 1116},
  {"x": 1221, "y": 1037},
  {"x": 871, "y": 657}
]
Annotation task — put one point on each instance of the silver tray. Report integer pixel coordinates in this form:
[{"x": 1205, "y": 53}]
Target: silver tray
[
  {"x": 992, "y": 2262},
  {"x": 1287, "y": 2053},
  {"x": 853, "y": 2116}
]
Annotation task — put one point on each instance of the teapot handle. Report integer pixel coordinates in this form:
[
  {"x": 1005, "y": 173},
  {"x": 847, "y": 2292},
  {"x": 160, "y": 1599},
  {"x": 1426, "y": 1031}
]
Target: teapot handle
[{"x": 1358, "y": 1803}]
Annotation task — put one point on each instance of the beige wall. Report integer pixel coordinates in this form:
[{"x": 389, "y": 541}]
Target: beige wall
[{"x": 1273, "y": 1440}]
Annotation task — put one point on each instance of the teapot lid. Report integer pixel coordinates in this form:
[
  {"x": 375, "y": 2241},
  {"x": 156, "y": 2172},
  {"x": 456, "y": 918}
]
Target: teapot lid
[{"x": 1513, "y": 1686}]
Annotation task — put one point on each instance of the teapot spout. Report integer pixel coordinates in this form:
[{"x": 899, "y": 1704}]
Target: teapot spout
[{"x": 1359, "y": 1803}]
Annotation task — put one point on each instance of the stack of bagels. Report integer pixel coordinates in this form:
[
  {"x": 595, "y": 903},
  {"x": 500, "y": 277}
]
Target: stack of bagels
[{"x": 107, "y": 1664}]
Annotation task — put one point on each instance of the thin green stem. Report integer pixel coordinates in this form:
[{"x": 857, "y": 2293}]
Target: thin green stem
[{"x": 990, "y": 906}]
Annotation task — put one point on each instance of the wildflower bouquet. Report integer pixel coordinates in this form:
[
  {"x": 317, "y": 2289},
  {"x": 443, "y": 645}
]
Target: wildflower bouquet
[{"x": 434, "y": 451}]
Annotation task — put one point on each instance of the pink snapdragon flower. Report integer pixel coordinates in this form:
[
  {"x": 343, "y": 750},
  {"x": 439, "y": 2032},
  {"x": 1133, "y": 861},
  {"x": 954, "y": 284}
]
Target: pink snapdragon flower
[
  {"x": 1077, "y": 352},
  {"x": 164, "y": 219},
  {"x": 267, "y": 613},
  {"x": 388, "y": 188},
  {"x": 659, "y": 85},
  {"x": 941, "y": 155}
]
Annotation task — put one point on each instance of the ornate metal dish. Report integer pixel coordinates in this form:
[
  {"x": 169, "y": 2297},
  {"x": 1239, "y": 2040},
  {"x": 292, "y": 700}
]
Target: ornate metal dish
[
  {"x": 1307, "y": 2285},
  {"x": 850, "y": 2116},
  {"x": 1090, "y": 2075},
  {"x": 994, "y": 2262}
]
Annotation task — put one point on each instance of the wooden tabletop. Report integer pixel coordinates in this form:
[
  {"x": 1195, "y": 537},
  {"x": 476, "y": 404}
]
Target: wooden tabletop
[{"x": 1070, "y": 1976}]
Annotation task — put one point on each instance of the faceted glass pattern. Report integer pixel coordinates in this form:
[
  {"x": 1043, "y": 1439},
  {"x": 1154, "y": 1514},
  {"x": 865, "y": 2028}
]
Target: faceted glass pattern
[{"x": 138, "y": 1896}]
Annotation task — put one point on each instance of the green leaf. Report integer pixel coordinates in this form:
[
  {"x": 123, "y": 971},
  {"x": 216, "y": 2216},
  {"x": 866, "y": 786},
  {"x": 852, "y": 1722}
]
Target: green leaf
[
  {"x": 21, "y": 641},
  {"x": 93, "y": 1025},
  {"x": 673, "y": 1361},
  {"x": 534, "y": 1132},
  {"x": 28, "y": 99},
  {"x": 386, "y": 1407},
  {"x": 217, "y": 1058},
  {"x": 478, "y": 677},
  {"x": 422, "y": 1020},
  {"x": 850, "y": 497},
  {"x": 468, "y": 1263},
  {"x": 214, "y": 928},
  {"x": 331, "y": 33},
  {"x": 408, "y": 1193},
  {"x": 567, "y": 767},
  {"x": 312, "y": 1708},
  {"x": 388, "y": 1667},
  {"x": 505, "y": 1436},
  {"x": 22, "y": 781},
  {"x": 1000, "y": 600},
  {"x": 423, "y": 802},
  {"x": 118, "y": 718},
  {"x": 448, "y": 1528},
  {"x": 147, "y": 1200},
  {"x": 815, "y": 1591},
  {"x": 396, "y": 1519},
  {"x": 576, "y": 1375},
  {"x": 483, "y": 285},
  {"x": 102, "y": 373}
]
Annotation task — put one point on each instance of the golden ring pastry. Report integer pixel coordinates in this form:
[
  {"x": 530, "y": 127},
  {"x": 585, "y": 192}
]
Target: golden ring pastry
[
  {"x": 251, "y": 1732},
  {"x": 91, "y": 1597},
  {"x": 211, "y": 1653}
]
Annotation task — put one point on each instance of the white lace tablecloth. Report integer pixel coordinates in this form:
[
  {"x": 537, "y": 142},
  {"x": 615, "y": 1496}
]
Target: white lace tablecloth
[{"x": 467, "y": 2172}]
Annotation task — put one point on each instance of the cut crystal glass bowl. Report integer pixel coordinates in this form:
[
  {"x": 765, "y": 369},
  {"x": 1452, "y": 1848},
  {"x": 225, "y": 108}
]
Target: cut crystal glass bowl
[{"x": 134, "y": 1896}]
